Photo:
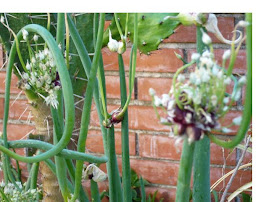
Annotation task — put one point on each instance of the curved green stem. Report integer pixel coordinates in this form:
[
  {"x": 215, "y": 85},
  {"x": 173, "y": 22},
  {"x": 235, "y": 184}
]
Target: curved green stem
[
  {"x": 184, "y": 175},
  {"x": 65, "y": 153},
  {"x": 246, "y": 118},
  {"x": 67, "y": 93}
]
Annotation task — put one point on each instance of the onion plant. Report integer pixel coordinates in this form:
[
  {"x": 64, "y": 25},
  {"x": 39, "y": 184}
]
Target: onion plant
[{"x": 61, "y": 72}]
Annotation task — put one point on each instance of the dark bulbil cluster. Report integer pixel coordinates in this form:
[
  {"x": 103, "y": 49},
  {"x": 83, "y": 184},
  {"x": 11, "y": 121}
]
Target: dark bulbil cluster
[
  {"x": 186, "y": 121},
  {"x": 114, "y": 118}
]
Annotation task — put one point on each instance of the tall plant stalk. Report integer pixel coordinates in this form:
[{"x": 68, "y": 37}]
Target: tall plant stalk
[
  {"x": 185, "y": 171},
  {"x": 201, "y": 167}
]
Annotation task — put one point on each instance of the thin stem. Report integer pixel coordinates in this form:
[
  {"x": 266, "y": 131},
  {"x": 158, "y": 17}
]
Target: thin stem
[
  {"x": 67, "y": 37},
  {"x": 126, "y": 169},
  {"x": 87, "y": 105},
  {"x": 118, "y": 25},
  {"x": 111, "y": 166},
  {"x": 95, "y": 192},
  {"x": 247, "y": 113},
  {"x": 184, "y": 175},
  {"x": 132, "y": 67},
  {"x": 201, "y": 168}
]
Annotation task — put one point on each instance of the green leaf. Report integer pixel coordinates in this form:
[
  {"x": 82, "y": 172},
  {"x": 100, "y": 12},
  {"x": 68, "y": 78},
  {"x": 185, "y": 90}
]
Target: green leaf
[
  {"x": 246, "y": 197},
  {"x": 152, "y": 29}
]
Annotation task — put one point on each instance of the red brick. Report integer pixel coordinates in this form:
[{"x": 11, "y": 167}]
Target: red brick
[
  {"x": 240, "y": 66},
  {"x": 242, "y": 177},
  {"x": 107, "y": 23},
  {"x": 2, "y": 104},
  {"x": 187, "y": 34},
  {"x": 13, "y": 87},
  {"x": 144, "y": 118},
  {"x": 219, "y": 156},
  {"x": 16, "y": 132},
  {"x": 17, "y": 110},
  {"x": 227, "y": 120},
  {"x": 161, "y": 86},
  {"x": 157, "y": 172},
  {"x": 159, "y": 146},
  {"x": 158, "y": 61},
  {"x": 113, "y": 87},
  {"x": 163, "y": 147},
  {"x": 94, "y": 142},
  {"x": 1, "y": 56}
]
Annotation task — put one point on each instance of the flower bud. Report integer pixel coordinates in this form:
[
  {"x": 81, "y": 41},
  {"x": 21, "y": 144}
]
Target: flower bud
[
  {"x": 195, "y": 56},
  {"x": 180, "y": 78},
  {"x": 243, "y": 23},
  {"x": 157, "y": 101},
  {"x": 206, "y": 39},
  {"x": 242, "y": 81},
  {"x": 2, "y": 19},
  {"x": 237, "y": 120},
  {"x": 114, "y": 116},
  {"x": 152, "y": 92},
  {"x": 165, "y": 99},
  {"x": 25, "y": 34},
  {"x": 35, "y": 38},
  {"x": 113, "y": 45},
  {"x": 28, "y": 66},
  {"x": 226, "y": 55}
]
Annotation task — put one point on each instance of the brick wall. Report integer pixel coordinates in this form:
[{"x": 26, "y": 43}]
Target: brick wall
[{"x": 152, "y": 152}]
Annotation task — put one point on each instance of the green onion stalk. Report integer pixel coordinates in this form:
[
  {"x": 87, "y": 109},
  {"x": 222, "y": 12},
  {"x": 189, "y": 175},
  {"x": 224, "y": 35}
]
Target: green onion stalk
[
  {"x": 247, "y": 113},
  {"x": 201, "y": 167}
]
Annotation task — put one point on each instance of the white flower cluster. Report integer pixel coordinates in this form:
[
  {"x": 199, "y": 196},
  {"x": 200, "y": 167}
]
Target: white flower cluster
[
  {"x": 41, "y": 77},
  {"x": 194, "y": 105},
  {"x": 14, "y": 195}
]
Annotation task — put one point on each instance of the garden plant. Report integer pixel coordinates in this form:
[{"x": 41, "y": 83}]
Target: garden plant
[{"x": 59, "y": 63}]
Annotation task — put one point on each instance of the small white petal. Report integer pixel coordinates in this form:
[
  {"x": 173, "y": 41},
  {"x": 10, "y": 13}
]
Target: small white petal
[
  {"x": 226, "y": 55},
  {"x": 195, "y": 56},
  {"x": 243, "y": 23},
  {"x": 24, "y": 34},
  {"x": 206, "y": 39},
  {"x": 237, "y": 120},
  {"x": 157, "y": 101},
  {"x": 226, "y": 130},
  {"x": 180, "y": 78},
  {"x": 165, "y": 99},
  {"x": 2, "y": 20},
  {"x": 226, "y": 100},
  {"x": 242, "y": 81},
  {"x": 152, "y": 92},
  {"x": 35, "y": 38}
]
